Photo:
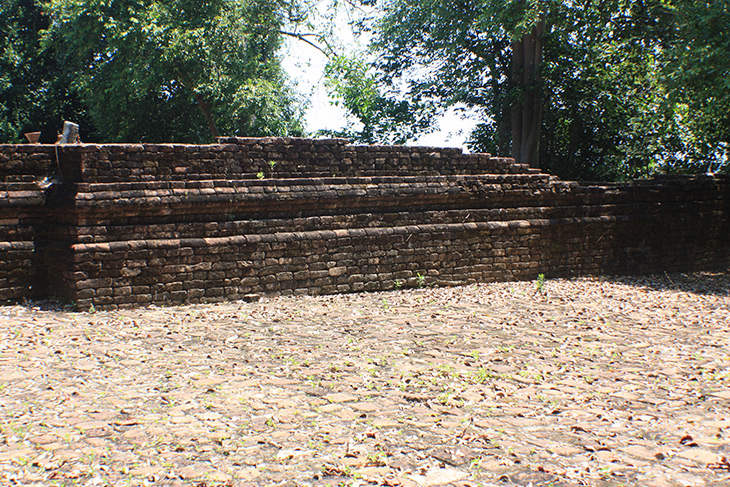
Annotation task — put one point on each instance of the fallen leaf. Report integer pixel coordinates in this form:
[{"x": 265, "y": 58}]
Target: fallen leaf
[
  {"x": 700, "y": 456},
  {"x": 438, "y": 476}
]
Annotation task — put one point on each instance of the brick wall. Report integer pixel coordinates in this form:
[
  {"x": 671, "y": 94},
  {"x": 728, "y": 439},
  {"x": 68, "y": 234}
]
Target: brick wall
[
  {"x": 23, "y": 169},
  {"x": 126, "y": 225}
]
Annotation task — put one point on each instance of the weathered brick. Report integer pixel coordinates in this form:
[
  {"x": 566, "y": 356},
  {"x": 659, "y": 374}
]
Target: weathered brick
[{"x": 161, "y": 222}]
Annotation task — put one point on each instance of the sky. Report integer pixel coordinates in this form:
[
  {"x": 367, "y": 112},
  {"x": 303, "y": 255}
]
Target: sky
[{"x": 305, "y": 65}]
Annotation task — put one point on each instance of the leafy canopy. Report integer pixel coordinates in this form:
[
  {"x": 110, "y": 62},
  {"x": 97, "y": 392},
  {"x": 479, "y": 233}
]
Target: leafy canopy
[
  {"x": 382, "y": 117},
  {"x": 177, "y": 69},
  {"x": 33, "y": 93},
  {"x": 627, "y": 88},
  {"x": 147, "y": 70}
]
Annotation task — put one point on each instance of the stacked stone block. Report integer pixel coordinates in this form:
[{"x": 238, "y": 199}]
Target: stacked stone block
[
  {"x": 129, "y": 225},
  {"x": 23, "y": 176}
]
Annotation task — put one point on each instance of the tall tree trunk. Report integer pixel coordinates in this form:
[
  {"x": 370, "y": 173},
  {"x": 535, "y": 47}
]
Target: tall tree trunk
[
  {"x": 205, "y": 108},
  {"x": 526, "y": 107},
  {"x": 202, "y": 105}
]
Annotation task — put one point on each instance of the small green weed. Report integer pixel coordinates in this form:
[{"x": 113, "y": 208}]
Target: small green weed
[
  {"x": 540, "y": 283},
  {"x": 482, "y": 375}
]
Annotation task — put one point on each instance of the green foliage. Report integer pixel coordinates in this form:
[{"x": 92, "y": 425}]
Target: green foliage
[
  {"x": 696, "y": 72},
  {"x": 381, "y": 117},
  {"x": 265, "y": 108},
  {"x": 629, "y": 88},
  {"x": 603, "y": 114},
  {"x": 353, "y": 87},
  {"x": 147, "y": 70},
  {"x": 540, "y": 283},
  {"x": 32, "y": 91},
  {"x": 444, "y": 52},
  {"x": 420, "y": 279}
]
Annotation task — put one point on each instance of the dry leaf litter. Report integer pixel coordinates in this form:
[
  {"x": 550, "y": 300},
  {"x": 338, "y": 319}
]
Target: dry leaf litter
[{"x": 601, "y": 382}]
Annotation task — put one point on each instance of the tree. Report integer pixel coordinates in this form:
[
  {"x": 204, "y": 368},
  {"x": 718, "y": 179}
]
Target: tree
[
  {"x": 32, "y": 91},
  {"x": 526, "y": 78},
  {"x": 528, "y": 66},
  {"x": 383, "y": 118},
  {"x": 605, "y": 116},
  {"x": 484, "y": 54},
  {"x": 580, "y": 89},
  {"x": 177, "y": 70},
  {"x": 696, "y": 72}
]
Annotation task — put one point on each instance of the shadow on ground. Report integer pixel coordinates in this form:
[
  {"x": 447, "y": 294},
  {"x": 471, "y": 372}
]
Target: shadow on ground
[{"x": 716, "y": 283}]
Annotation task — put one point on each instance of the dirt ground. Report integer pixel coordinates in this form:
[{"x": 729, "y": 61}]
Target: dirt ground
[{"x": 602, "y": 382}]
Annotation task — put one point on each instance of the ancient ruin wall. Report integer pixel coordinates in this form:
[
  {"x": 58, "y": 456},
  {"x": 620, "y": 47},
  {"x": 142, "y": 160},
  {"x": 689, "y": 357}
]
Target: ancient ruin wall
[{"x": 128, "y": 225}]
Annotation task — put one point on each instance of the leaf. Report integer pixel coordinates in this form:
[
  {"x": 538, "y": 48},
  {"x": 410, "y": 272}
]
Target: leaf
[{"x": 438, "y": 476}]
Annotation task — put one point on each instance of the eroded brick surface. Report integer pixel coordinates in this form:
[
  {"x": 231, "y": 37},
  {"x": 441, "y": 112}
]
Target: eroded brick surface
[{"x": 120, "y": 225}]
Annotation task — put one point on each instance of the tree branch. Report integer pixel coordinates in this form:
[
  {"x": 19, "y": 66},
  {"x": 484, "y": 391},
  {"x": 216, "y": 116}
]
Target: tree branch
[
  {"x": 327, "y": 51},
  {"x": 202, "y": 105}
]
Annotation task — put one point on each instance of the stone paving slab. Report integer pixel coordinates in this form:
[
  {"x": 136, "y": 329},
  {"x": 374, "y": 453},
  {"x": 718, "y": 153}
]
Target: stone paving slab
[{"x": 601, "y": 382}]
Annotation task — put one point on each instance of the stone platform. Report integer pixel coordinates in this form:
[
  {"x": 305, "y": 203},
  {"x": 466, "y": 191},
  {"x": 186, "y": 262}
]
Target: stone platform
[{"x": 123, "y": 225}]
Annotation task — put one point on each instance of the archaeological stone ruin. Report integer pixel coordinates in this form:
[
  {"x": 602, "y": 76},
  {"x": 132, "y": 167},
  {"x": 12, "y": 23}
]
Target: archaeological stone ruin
[{"x": 121, "y": 225}]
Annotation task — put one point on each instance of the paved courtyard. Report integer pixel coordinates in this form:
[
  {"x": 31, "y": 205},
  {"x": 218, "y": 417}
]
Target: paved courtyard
[{"x": 601, "y": 382}]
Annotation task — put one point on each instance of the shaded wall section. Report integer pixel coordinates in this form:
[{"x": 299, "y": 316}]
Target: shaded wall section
[{"x": 121, "y": 225}]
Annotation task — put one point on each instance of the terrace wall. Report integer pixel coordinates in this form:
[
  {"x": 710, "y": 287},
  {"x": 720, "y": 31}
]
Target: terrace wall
[{"x": 119, "y": 225}]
